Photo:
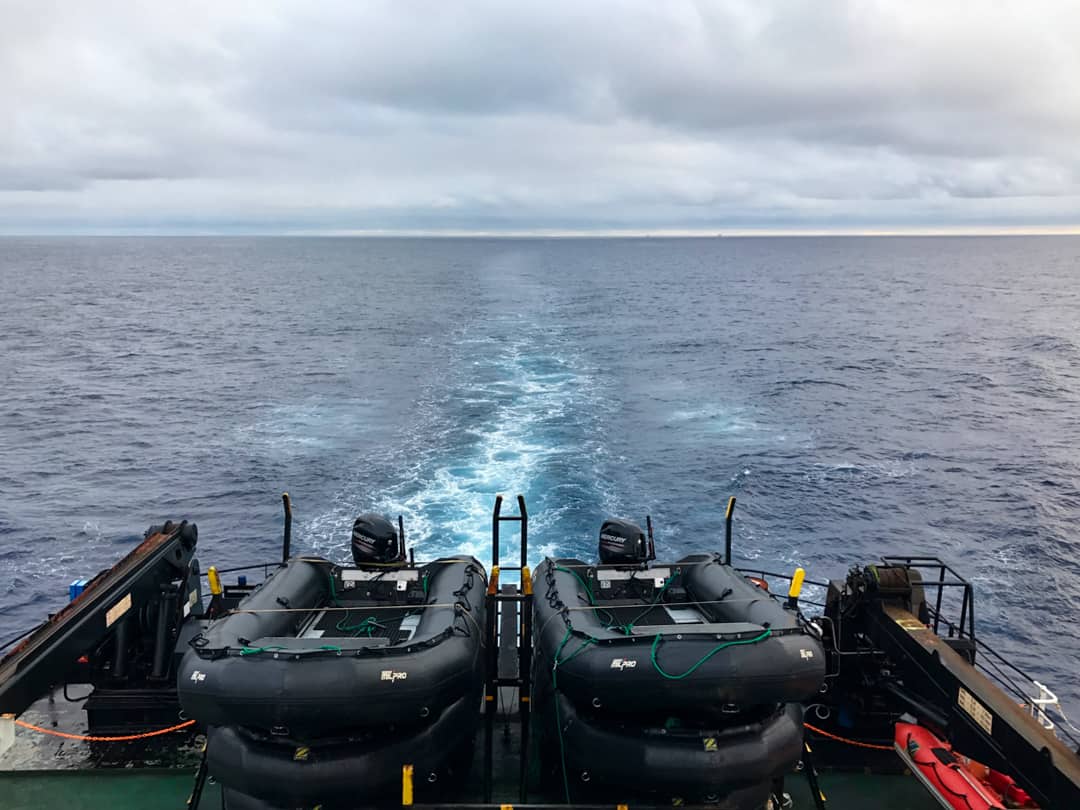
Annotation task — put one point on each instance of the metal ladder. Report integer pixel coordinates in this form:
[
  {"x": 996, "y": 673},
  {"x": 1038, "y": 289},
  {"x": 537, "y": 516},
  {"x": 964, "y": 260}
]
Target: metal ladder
[{"x": 509, "y": 615}]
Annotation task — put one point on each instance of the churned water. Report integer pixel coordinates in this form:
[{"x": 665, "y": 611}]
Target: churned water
[{"x": 860, "y": 396}]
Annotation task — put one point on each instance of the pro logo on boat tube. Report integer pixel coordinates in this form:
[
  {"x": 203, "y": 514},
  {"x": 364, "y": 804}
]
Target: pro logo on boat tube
[
  {"x": 392, "y": 676},
  {"x": 623, "y": 663}
]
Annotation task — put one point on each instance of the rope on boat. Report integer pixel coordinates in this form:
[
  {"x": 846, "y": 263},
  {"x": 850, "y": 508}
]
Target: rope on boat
[
  {"x": 846, "y": 741},
  {"x": 98, "y": 738},
  {"x": 342, "y": 609}
]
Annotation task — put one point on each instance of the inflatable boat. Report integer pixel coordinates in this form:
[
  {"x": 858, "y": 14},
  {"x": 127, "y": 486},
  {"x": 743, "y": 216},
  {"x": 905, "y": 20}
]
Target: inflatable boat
[
  {"x": 686, "y": 674},
  {"x": 319, "y": 648},
  {"x": 263, "y": 770},
  {"x": 730, "y": 765},
  {"x": 955, "y": 781},
  {"x": 694, "y": 635}
]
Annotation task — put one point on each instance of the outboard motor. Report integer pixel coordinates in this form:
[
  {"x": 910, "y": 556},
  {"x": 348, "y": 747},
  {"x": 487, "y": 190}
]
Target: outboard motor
[
  {"x": 622, "y": 543},
  {"x": 375, "y": 540}
]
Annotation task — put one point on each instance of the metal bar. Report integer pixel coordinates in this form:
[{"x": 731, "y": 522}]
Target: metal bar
[
  {"x": 970, "y": 593},
  {"x": 200, "y": 783},
  {"x": 252, "y": 567},
  {"x": 525, "y": 675},
  {"x": 491, "y": 677},
  {"x": 524, "y": 515},
  {"x": 812, "y": 777},
  {"x": 940, "y": 594},
  {"x": 963, "y": 612},
  {"x": 286, "y": 537},
  {"x": 495, "y": 531},
  {"x": 727, "y": 530}
]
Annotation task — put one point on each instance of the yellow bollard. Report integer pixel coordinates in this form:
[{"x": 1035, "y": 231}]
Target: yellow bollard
[
  {"x": 406, "y": 785},
  {"x": 215, "y": 580},
  {"x": 796, "y": 588}
]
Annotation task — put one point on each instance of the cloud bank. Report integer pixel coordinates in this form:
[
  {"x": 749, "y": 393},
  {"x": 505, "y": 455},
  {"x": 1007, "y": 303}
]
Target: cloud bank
[{"x": 599, "y": 116}]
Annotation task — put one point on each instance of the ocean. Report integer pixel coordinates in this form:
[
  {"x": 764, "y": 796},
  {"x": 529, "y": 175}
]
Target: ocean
[{"x": 859, "y": 396}]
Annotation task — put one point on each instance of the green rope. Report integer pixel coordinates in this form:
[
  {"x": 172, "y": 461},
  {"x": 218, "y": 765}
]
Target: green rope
[
  {"x": 368, "y": 626},
  {"x": 333, "y": 587},
  {"x": 628, "y": 628},
  {"x": 610, "y": 620},
  {"x": 588, "y": 641},
  {"x": 703, "y": 659},
  {"x": 257, "y": 650}
]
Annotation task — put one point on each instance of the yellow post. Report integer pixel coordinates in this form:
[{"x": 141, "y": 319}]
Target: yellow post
[
  {"x": 796, "y": 588},
  {"x": 526, "y": 581},
  {"x": 215, "y": 580},
  {"x": 406, "y": 785}
]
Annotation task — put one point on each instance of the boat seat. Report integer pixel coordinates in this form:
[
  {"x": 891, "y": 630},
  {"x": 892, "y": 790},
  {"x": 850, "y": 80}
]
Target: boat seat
[
  {"x": 740, "y": 629},
  {"x": 291, "y": 644}
]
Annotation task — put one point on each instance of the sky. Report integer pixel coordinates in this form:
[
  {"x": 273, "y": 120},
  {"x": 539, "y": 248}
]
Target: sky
[{"x": 526, "y": 117}]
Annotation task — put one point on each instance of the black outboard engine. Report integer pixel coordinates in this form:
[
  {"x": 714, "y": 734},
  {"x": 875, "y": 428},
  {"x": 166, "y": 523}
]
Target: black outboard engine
[
  {"x": 622, "y": 543},
  {"x": 375, "y": 540}
]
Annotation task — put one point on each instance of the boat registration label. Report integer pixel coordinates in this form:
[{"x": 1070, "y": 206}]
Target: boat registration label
[
  {"x": 117, "y": 610},
  {"x": 975, "y": 710}
]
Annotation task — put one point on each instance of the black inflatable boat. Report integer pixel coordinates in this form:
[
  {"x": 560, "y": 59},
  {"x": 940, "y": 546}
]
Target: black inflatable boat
[
  {"x": 268, "y": 771},
  {"x": 318, "y": 648},
  {"x": 685, "y": 670},
  {"x": 327, "y": 678},
  {"x": 730, "y": 766}
]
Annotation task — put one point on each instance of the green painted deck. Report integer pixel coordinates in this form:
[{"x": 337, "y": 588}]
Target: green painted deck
[
  {"x": 138, "y": 790},
  {"x": 43, "y": 772}
]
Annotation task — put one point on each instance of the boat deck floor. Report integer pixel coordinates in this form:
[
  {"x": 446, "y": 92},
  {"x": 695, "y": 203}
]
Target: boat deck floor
[{"x": 44, "y": 772}]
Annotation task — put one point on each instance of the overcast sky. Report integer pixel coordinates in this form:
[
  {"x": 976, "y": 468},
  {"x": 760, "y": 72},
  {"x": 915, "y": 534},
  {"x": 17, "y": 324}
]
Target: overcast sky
[{"x": 559, "y": 116}]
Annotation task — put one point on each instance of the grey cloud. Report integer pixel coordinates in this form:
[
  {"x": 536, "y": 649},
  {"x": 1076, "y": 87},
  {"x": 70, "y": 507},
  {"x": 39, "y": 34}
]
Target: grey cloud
[{"x": 638, "y": 115}]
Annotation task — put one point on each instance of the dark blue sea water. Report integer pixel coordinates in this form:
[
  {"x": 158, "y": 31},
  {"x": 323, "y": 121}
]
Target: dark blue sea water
[{"x": 859, "y": 396}]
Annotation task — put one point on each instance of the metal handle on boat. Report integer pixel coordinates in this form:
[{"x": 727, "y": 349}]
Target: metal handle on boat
[{"x": 286, "y": 540}]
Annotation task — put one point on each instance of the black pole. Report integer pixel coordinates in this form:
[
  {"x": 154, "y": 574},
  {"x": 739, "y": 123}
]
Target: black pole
[
  {"x": 200, "y": 782},
  {"x": 166, "y": 607},
  {"x": 401, "y": 536},
  {"x": 652, "y": 543},
  {"x": 812, "y": 777},
  {"x": 286, "y": 539},
  {"x": 495, "y": 531},
  {"x": 490, "y": 676},
  {"x": 727, "y": 529},
  {"x": 524, "y": 531}
]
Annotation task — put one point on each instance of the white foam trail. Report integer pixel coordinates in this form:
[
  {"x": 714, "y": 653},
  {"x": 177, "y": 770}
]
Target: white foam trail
[{"x": 522, "y": 389}]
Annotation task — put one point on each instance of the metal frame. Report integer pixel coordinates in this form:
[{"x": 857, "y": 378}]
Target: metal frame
[
  {"x": 966, "y": 626},
  {"x": 522, "y": 600}
]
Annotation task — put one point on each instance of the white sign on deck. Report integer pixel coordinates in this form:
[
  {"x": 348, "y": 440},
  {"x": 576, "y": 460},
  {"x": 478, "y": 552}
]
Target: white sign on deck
[{"x": 975, "y": 710}]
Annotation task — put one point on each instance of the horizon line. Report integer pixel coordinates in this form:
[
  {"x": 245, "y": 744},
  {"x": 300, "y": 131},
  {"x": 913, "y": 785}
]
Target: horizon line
[{"x": 568, "y": 233}]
